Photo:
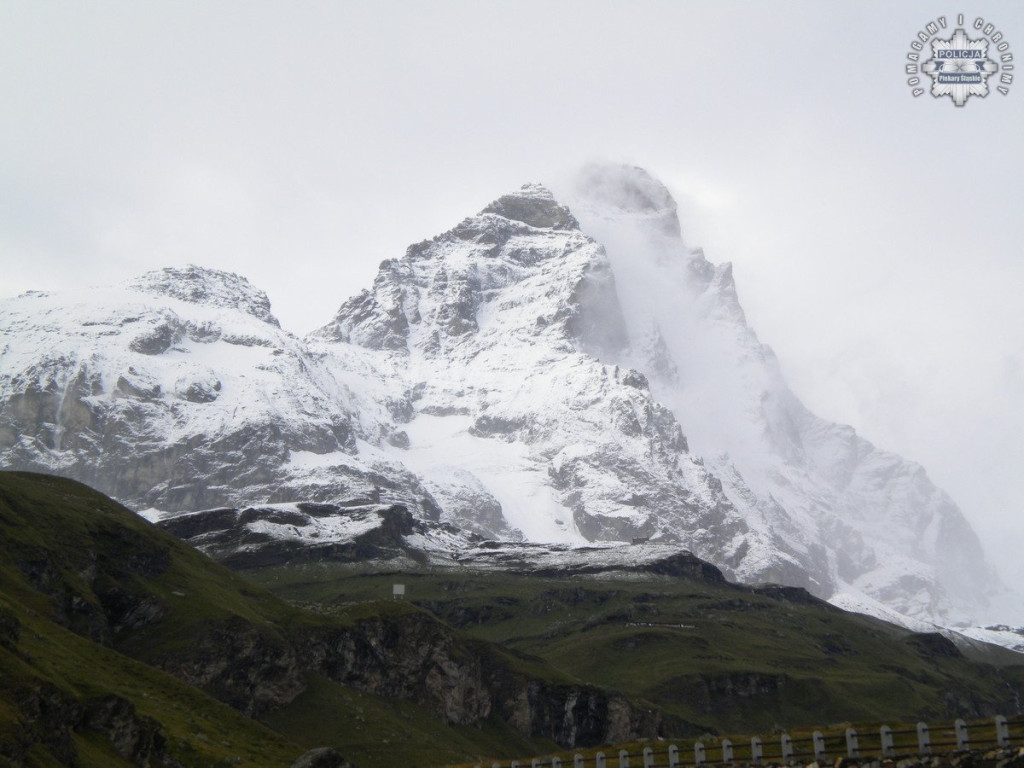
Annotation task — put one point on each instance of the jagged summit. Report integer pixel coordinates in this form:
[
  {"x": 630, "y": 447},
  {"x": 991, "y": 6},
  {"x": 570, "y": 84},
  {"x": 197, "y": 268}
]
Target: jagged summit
[
  {"x": 507, "y": 336},
  {"x": 210, "y": 287},
  {"x": 533, "y": 204},
  {"x": 434, "y": 295}
]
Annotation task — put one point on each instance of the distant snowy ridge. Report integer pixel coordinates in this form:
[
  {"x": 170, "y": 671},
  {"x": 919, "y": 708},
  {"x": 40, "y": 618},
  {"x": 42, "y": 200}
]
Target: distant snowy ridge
[{"x": 560, "y": 371}]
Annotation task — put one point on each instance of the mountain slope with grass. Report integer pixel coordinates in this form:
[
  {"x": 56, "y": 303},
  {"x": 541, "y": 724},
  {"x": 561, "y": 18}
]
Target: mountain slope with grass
[
  {"x": 676, "y": 634},
  {"x": 120, "y": 642},
  {"x": 79, "y": 576}
]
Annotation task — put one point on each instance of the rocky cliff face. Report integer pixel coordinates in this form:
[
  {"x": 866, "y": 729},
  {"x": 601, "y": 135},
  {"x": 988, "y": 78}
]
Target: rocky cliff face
[
  {"x": 258, "y": 667},
  {"x": 415, "y": 658},
  {"x": 507, "y": 332},
  {"x": 51, "y": 717},
  {"x": 549, "y": 370}
]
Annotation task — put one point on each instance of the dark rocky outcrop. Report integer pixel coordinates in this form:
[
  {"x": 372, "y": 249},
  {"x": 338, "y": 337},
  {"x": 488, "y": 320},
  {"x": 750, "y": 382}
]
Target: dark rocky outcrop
[
  {"x": 411, "y": 657},
  {"x": 415, "y": 658},
  {"x": 533, "y": 205},
  {"x": 685, "y": 565},
  {"x": 226, "y": 533},
  {"x": 101, "y": 601},
  {"x": 211, "y": 287},
  {"x": 158, "y": 339},
  {"x": 51, "y": 716},
  {"x": 934, "y": 645},
  {"x": 464, "y": 682},
  {"x": 578, "y": 715},
  {"x": 324, "y": 757},
  {"x": 786, "y": 594},
  {"x": 254, "y": 670}
]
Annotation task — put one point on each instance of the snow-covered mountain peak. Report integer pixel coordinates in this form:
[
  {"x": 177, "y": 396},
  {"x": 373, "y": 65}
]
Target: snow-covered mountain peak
[
  {"x": 506, "y": 331},
  {"x": 520, "y": 269},
  {"x": 533, "y": 204},
  {"x": 207, "y": 287}
]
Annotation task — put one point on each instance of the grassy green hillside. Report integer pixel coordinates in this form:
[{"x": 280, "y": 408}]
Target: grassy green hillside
[
  {"x": 734, "y": 658},
  {"x": 64, "y": 550},
  {"x": 52, "y": 678},
  {"x": 120, "y": 644},
  {"x": 98, "y": 609}
]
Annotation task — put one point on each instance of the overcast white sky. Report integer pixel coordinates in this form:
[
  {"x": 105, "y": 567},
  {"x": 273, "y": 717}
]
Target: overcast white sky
[{"x": 877, "y": 238}]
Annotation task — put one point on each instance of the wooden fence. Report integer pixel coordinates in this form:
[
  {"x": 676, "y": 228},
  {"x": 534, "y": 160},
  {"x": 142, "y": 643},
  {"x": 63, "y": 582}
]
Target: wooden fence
[{"x": 883, "y": 743}]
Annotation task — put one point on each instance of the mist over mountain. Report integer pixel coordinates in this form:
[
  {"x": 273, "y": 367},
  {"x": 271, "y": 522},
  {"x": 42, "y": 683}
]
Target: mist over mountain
[{"x": 559, "y": 368}]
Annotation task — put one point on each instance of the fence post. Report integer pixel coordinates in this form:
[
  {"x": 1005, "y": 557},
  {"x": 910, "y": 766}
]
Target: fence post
[
  {"x": 726, "y": 751},
  {"x": 599, "y": 760},
  {"x": 924, "y": 739},
  {"x": 888, "y": 746},
  {"x": 556, "y": 762},
  {"x": 699, "y": 755},
  {"x": 535, "y": 763},
  {"x": 963, "y": 741},
  {"x": 819, "y": 746},
  {"x": 673, "y": 756},
  {"x": 623, "y": 759},
  {"x": 648, "y": 757},
  {"x": 577, "y": 761},
  {"x": 756, "y": 751},
  {"x": 851, "y": 743},
  {"x": 514, "y": 764},
  {"x": 1002, "y": 731},
  {"x": 787, "y": 747}
]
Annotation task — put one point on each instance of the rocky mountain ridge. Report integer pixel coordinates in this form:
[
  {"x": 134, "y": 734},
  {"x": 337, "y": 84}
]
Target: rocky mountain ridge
[{"x": 549, "y": 370}]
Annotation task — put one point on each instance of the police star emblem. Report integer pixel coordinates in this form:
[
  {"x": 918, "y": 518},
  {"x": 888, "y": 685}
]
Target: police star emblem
[{"x": 959, "y": 67}]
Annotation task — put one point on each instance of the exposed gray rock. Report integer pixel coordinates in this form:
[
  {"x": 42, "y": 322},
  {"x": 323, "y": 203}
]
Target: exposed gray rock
[
  {"x": 159, "y": 338},
  {"x": 210, "y": 287},
  {"x": 198, "y": 389},
  {"x": 256, "y": 537},
  {"x": 533, "y": 205},
  {"x": 52, "y": 717},
  {"x": 252, "y": 669}
]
